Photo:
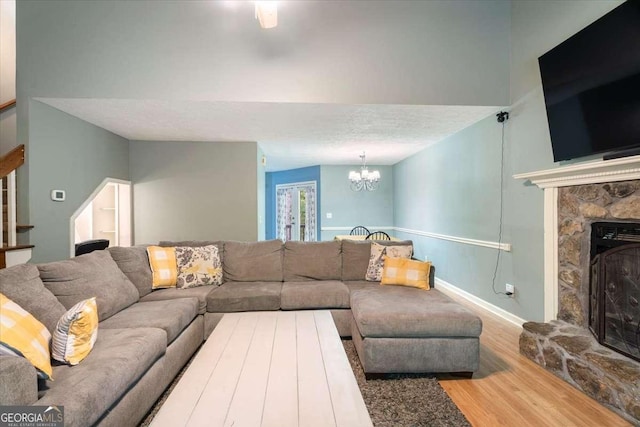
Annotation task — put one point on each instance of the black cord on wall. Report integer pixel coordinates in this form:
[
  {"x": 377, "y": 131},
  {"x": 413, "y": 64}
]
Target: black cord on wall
[{"x": 502, "y": 118}]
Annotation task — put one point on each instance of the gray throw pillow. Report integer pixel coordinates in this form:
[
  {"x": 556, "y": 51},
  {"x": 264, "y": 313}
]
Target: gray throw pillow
[
  {"x": 22, "y": 285},
  {"x": 92, "y": 275}
]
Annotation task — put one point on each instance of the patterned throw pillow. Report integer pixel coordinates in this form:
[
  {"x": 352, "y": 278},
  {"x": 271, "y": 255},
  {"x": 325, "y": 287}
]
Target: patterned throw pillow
[
  {"x": 24, "y": 336},
  {"x": 198, "y": 266},
  {"x": 406, "y": 272},
  {"x": 164, "y": 267},
  {"x": 376, "y": 260},
  {"x": 76, "y": 333}
]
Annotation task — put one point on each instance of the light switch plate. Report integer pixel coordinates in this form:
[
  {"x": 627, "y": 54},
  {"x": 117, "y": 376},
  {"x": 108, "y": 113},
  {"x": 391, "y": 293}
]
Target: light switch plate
[{"x": 329, "y": 215}]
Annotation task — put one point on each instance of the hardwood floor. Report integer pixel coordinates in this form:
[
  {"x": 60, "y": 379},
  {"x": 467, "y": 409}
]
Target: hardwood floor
[{"x": 511, "y": 390}]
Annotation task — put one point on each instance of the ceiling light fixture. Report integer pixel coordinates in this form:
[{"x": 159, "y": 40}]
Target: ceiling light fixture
[
  {"x": 267, "y": 13},
  {"x": 364, "y": 180}
]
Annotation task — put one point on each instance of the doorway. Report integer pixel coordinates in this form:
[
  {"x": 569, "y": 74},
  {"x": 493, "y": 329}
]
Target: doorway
[
  {"x": 296, "y": 211},
  {"x": 106, "y": 214}
]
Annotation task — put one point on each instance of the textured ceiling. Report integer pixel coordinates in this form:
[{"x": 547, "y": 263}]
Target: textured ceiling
[{"x": 291, "y": 135}]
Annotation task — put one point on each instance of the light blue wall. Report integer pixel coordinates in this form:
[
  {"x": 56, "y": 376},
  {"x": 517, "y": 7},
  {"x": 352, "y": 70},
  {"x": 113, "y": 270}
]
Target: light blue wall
[
  {"x": 372, "y": 209},
  {"x": 453, "y": 188},
  {"x": 66, "y": 153},
  {"x": 311, "y": 173}
]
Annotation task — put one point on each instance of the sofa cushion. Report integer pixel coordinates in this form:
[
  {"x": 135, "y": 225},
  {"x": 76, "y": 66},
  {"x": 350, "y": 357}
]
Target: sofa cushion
[
  {"x": 379, "y": 253},
  {"x": 354, "y": 285},
  {"x": 22, "y": 335},
  {"x": 172, "y": 316},
  {"x": 164, "y": 267},
  {"x": 119, "y": 358},
  {"x": 312, "y": 295},
  {"x": 406, "y": 272},
  {"x": 197, "y": 244},
  {"x": 92, "y": 275},
  {"x": 76, "y": 333},
  {"x": 199, "y": 292},
  {"x": 312, "y": 261},
  {"x": 356, "y": 254},
  {"x": 253, "y": 261},
  {"x": 134, "y": 263},
  {"x": 402, "y": 312},
  {"x": 198, "y": 266},
  {"x": 245, "y": 296},
  {"x": 22, "y": 285}
]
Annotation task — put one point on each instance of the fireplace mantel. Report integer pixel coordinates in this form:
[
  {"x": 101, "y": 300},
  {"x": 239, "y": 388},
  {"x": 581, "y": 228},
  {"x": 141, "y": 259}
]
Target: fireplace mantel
[
  {"x": 598, "y": 171},
  {"x": 595, "y": 172}
]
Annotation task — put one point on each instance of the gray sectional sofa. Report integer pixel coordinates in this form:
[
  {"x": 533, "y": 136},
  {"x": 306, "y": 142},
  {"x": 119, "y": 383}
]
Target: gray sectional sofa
[{"x": 146, "y": 336}]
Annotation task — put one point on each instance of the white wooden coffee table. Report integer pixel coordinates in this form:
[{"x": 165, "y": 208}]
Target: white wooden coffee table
[{"x": 279, "y": 368}]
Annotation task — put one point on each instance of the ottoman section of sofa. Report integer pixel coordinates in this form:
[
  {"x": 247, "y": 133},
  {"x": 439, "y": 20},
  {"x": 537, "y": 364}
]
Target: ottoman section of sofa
[
  {"x": 172, "y": 316},
  {"x": 319, "y": 294},
  {"x": 402, "y": 329},
  {"x": 245, "y": 296}
]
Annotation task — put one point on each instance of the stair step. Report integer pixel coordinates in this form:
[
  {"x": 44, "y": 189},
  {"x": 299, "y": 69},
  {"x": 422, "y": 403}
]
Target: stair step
[{"x": 5, "y": 249}]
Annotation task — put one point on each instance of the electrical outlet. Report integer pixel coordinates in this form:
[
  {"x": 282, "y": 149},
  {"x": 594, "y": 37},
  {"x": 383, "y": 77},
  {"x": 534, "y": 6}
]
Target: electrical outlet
[
  {"x": 426, "y": 258},
  {"x": 512, "y": 289}
]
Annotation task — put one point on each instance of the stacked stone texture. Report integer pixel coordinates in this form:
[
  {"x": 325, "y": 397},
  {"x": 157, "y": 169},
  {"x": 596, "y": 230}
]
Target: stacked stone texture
[
  {"x": 572, "y": 353},
  {"x": 566, "y": 347}
]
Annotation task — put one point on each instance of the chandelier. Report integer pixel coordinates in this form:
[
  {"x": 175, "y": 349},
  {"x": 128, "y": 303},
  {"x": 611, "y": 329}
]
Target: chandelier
[{"x": 364, "y": 180}]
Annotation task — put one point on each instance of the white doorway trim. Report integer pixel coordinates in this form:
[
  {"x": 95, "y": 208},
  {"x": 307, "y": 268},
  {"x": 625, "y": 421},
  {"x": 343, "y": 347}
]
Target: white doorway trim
[{"x": 88, "y": 200}]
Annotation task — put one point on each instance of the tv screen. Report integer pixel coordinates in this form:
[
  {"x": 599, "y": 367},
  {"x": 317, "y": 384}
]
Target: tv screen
[{"x": 591, "y": 85}]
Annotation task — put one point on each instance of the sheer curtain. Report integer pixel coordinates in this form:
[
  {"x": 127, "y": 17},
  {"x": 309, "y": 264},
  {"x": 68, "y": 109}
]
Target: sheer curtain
[
  {"x": 283, "y": 212},
  {"x": 310, "y": 214}
]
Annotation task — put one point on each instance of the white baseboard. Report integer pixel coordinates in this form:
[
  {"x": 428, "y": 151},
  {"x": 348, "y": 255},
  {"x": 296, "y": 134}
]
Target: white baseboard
[{"x": 450, "y": 289}]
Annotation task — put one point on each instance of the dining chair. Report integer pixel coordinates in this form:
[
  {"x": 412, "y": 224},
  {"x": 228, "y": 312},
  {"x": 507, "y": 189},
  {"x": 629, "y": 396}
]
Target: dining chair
[
  {"x": 359, "y": 231},
  {"x": 378, "y": 235}
]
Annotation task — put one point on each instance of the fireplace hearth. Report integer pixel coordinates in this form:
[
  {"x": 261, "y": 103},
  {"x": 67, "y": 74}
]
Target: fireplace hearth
[
  {"x": 593, "y": 342},
  {"x": 614, "y": 290}
]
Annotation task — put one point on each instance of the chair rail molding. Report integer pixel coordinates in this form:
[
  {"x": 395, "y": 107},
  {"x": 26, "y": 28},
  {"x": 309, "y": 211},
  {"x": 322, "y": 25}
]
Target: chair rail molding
[
  {"x": 475, "y": 242},
  {"x": 549, "y": 180}
]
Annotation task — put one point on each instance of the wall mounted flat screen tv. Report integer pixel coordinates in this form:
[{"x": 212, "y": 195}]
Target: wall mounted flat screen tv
[{"x": 591, "y": 85}]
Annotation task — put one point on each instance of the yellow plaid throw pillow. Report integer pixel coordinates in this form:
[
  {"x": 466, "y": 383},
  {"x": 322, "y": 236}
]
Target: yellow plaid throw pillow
[
  {"x": 23, "y": 335},
  {"x": 164, "y": 266},
  {"x": 406, "y": 272},
  {"x": 76, "y": 333}
]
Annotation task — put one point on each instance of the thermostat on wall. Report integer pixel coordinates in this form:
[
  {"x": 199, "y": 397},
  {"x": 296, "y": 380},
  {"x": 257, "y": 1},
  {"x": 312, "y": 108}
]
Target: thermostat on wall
[{"x": 58, "y": 195}]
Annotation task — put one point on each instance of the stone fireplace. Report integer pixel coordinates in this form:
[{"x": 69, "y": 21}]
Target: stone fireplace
[{"x": 579, "y": 199}]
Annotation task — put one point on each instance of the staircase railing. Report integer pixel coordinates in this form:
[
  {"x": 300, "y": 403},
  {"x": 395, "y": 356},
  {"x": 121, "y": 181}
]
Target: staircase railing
[
  {"x": 8, "y": 225},
  {"x": 7, "y": 105},
  {"x": 8, "y": 165}
]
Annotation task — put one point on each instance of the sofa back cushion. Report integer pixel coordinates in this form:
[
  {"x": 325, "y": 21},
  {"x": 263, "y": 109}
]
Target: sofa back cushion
[
  {"x": 253, "y": 261},
  {"x": 134, "y": 263},
  {"x": 356, "y": 254},
  {"x": 305, "y": 261},
  {"x": 22, "y": 285},
  {"x": 92, "y": 275}
]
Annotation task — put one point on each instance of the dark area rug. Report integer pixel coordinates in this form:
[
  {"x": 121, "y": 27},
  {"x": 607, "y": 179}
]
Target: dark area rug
[
  {"x": 405, "y": 400},
  {"x": 398, "y": 400}
]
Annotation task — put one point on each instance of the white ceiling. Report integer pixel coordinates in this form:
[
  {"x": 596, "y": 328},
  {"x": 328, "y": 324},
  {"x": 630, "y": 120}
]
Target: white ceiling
[{"x": 291, "y": 135}]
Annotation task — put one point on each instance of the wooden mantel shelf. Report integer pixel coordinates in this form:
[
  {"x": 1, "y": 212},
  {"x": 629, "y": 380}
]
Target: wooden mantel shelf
[{"x": 622, "y": 169}]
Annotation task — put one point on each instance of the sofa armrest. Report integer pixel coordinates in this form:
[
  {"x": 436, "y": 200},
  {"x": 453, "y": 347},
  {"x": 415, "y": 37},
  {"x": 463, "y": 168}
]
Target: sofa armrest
[{"x": 18, "y": 381}]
